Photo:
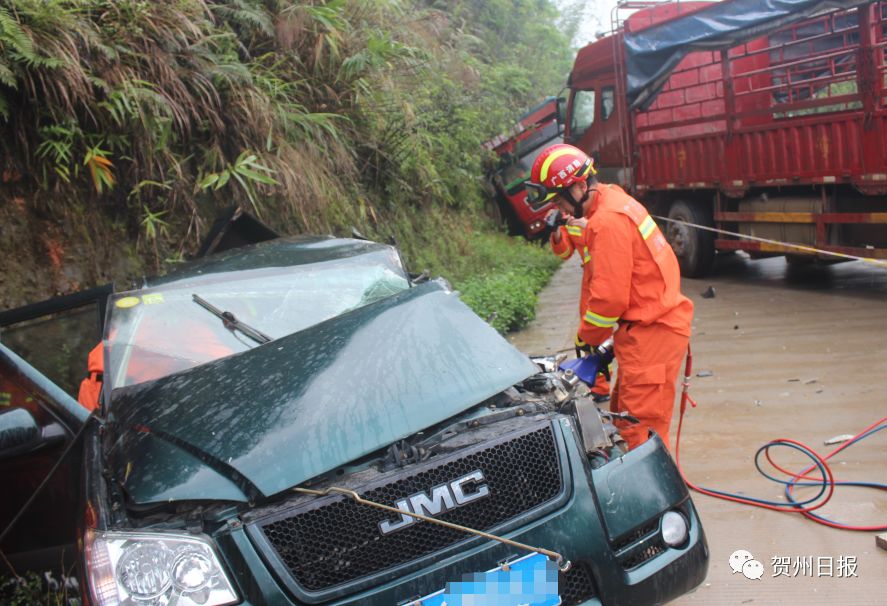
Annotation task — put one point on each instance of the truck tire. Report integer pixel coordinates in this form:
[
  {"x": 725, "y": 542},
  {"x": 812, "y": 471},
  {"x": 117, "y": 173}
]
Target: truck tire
[
  {"x": 800, "y": 260},
  {"x": 694, "y": 248},
  {"x": 508, "y": 217}
]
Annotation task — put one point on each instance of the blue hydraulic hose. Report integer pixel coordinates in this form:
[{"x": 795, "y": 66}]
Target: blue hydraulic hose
[{"x": 789, "y": 485}]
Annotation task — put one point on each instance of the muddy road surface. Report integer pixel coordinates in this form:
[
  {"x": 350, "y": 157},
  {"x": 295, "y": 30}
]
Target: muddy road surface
[{"x": 784, "y": 352}]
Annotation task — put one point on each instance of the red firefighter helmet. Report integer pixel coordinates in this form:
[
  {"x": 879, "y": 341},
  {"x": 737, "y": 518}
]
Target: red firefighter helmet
[{"x": 558, "y": 167}]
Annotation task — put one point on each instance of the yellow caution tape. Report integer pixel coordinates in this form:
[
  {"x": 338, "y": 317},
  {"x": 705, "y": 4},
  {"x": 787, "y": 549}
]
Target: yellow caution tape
[{"x": 776, "y": 245}]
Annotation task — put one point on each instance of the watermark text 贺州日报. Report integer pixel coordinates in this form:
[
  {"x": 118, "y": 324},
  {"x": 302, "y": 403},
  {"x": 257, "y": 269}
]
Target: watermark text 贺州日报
[{"x": 839, "y": 567}]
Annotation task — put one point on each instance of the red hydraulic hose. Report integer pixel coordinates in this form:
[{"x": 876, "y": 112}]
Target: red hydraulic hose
[{"x": 820, "y": 462}]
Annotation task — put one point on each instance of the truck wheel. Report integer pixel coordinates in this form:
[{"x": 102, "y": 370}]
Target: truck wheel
[
  {"x": 509, "y": 218},
  {"x": 694, "y": 248},
  {"x": 800, "y": 260}
]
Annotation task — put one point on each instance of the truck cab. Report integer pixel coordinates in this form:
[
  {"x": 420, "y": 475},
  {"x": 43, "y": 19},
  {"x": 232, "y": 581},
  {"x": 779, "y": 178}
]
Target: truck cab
[
  {"x": 539, "y": 127},
  {"x": 596, "y": 119}
]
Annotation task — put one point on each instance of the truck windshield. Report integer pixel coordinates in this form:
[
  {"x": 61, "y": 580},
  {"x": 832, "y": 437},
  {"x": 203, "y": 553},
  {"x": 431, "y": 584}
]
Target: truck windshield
[
  {"x": 583, "y": 112},
  {"x": 154, "y": 332},
  {"x": 518, "y": 169}
]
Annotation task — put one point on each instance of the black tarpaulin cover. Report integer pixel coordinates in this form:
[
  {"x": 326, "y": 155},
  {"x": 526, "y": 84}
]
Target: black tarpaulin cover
[{"x": 653, "y": 53}]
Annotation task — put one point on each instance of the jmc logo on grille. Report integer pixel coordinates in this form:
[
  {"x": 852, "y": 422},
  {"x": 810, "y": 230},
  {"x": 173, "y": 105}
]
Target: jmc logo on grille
[{"x": 443, "y": 498}]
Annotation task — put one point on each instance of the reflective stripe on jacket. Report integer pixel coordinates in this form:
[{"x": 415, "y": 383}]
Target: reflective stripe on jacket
[{"x": 572, "y": 239}]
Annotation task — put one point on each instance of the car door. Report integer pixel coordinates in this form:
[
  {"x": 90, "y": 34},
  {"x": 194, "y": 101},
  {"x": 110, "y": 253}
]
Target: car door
[{"x": 39, "y": 420}]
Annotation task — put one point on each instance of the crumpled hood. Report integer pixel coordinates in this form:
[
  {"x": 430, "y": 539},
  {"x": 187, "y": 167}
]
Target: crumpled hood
[{"x": 259, "y": 422}]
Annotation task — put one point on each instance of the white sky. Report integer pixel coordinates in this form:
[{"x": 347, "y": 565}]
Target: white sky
[{"x": 593, "y": 15}]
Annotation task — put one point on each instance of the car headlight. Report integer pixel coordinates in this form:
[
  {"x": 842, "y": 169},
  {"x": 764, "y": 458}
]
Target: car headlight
[
  {"x": 155, "y": 569},
  {"x": 674, "y": 529}
]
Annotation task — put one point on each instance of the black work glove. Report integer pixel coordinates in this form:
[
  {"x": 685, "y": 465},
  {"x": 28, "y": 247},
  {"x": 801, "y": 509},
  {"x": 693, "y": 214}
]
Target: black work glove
[{"x": 554, "y": 219}]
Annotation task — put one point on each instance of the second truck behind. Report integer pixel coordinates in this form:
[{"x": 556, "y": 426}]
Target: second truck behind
[{"x": 779, "y": 136}]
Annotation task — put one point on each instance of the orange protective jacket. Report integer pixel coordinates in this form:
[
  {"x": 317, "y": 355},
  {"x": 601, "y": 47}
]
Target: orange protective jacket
[
  {"x": 636, "y": 276},
  {"x": 91, "y": 386}
]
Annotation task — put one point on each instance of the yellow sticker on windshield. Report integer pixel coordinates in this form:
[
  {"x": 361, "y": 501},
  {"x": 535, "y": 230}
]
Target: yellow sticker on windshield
[
  {"x": 127, "y": 302},
  {"x": 153, "y": 298}
]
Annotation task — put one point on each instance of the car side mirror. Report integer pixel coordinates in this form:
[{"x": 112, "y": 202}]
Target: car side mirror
[{"x": 20, "y": 433}]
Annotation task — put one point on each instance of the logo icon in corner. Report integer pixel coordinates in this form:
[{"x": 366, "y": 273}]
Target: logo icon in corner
[
  {"x": 443, "y": 498},
  {"x": 743, "y": 561}
]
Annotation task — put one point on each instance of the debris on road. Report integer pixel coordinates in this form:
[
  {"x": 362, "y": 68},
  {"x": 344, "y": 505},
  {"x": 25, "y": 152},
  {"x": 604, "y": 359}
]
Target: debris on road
[
  {"x": 705, "y": 373},
  {"x": 709, "y": 293},
  {"x": 839, "y": 439}
]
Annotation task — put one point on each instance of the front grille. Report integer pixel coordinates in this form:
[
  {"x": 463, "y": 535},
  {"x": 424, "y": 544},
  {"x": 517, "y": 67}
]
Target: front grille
[
  {"x": 639, "y": 546},
  {"x": 576, "y": 585},
  {"x": 334, "y": 540}
]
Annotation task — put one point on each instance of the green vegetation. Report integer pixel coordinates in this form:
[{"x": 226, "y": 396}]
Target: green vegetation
[
  {"x": 506, "y": 295},
  {"x": 133, "y": 121},
  {"x": 497, "y": 275},
  {"x": 828, "y": 91},
  {"x": 34, "y": 590}
]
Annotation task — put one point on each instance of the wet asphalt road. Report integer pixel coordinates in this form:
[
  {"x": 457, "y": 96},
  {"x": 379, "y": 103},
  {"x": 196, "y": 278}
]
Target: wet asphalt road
[{"x": 790, "y": 352}]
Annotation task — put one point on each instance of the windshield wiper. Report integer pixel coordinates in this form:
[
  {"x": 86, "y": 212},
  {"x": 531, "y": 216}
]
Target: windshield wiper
[{"x": 231, "y": 322}]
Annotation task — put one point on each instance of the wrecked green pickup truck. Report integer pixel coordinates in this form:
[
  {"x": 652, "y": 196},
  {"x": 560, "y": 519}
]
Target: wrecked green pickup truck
[{"x": 250, "y": 396}]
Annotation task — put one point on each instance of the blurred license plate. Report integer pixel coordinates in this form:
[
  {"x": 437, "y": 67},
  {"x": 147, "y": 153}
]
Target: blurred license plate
[{"x": 528, "y": 581}]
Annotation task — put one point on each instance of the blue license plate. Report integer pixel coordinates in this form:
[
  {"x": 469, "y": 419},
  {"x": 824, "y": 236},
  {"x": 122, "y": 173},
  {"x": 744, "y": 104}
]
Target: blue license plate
[{"x": 528, "y": 581}]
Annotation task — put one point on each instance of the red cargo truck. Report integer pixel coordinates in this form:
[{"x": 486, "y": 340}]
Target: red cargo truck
[
  {"x": 538, "y": 128},
  {"x": 776, "y": 129}
]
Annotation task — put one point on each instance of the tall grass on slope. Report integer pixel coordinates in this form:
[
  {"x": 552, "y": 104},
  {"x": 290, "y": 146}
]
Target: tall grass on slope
[{"x": 317, "y": 115}]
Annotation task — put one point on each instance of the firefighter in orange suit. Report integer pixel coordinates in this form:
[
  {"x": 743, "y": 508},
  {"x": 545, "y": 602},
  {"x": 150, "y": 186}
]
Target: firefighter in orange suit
[
  {"x": 634, "y": 288},
  {"x": 91, "y": 386},
  {"x": 565, "y": 240}
]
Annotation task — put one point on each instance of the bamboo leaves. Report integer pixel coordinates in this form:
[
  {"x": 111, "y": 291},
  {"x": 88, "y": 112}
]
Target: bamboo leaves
[
  {"x": 153, "y": 223},
  {"x": 56, "y": 148},
  {"x": 100, "y": 168},
  {"x": 246, "y": 172},
  {"x": 61, "y": 143}
]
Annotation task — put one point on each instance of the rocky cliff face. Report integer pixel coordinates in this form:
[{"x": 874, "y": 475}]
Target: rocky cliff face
[{"x": 46, "y": 251}]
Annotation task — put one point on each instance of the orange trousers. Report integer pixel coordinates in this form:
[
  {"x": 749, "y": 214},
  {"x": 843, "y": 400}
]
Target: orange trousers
[
  {"x": 649, "y": 359},
  {"x": 601, "y": 386}
]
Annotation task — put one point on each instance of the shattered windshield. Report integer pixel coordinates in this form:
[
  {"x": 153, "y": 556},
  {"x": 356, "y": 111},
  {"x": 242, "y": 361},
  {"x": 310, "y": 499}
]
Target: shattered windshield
[{"x": 154, "y": 332}]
